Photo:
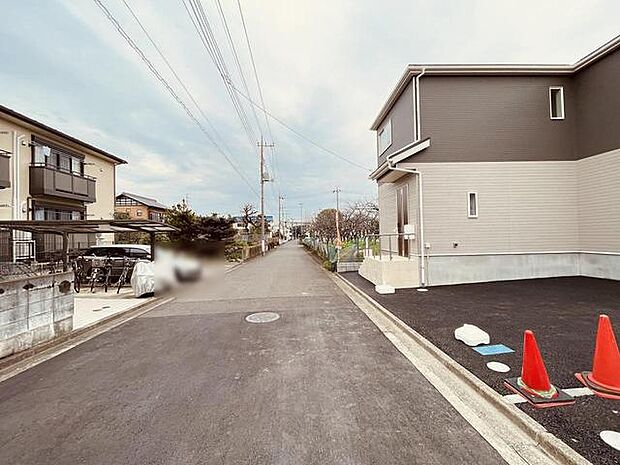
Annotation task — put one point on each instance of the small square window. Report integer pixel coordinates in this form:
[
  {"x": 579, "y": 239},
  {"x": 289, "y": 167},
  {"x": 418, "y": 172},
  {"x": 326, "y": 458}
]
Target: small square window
[
  {"x": 556, "y": 102},
  {"x": 472, "y": 205}
]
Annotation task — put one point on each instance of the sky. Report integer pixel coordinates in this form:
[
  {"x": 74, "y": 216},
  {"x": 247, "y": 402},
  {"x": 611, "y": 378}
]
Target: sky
[{"x": 325, "y": 68}]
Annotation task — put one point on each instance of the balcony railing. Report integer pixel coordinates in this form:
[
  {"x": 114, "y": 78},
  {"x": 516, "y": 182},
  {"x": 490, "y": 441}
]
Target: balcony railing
[
  {"x": 389, "y": 246},
  {"x": 53, "y": 181},
  {"x": 5, "y": 172}
]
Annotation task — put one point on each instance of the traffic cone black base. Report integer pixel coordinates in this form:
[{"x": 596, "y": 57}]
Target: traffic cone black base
[
  {"x": 560, "y": 398},
  {"x": 597, "y": 389}
]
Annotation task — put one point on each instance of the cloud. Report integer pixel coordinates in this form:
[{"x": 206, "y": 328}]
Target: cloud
[{"x": 325, "y": 67}]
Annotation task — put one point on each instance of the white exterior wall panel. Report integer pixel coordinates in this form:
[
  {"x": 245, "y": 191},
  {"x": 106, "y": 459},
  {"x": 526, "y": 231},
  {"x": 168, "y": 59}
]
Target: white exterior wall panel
[
  {"x": 522, "y": 207},
  {"x": 599, "y": 202},
  {"x": 535, "y": 219}
]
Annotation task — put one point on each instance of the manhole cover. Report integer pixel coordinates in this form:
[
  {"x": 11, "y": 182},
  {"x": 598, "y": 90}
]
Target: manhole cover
[{"x": 262, "y": 317}]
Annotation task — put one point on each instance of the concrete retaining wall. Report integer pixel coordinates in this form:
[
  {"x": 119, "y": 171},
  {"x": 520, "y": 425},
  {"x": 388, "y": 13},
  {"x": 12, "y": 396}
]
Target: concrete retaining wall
[
  {"x": 460, "y": 269},
  {"x": 34, "y": 310},
  {"x": 400, "y": 273},
  {"x": 343, "y": 267},
  {"x": 598, "y": 265}
]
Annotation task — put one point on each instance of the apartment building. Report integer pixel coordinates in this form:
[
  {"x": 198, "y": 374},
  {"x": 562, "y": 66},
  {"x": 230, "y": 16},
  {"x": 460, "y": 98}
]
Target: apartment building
[
  {"x": 46, "y": 174},
  {"x": 138, "y": 207},
  {"x": 499, "y": 172}
]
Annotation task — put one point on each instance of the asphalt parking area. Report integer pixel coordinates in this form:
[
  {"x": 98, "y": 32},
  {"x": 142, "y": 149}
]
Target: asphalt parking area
[{"x": 563, "y": 314}]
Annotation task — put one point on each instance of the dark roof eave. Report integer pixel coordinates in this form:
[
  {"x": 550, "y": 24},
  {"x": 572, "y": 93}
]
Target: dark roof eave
[
  {"x": 86, "y": 226},
  {"x": 56, "y": 132}
]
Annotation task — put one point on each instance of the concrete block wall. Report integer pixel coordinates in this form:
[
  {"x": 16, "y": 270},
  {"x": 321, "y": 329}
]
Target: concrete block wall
[{"x": 34, "y": 310}]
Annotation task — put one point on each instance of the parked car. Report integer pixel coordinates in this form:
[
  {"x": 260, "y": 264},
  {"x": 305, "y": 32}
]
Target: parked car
[
  {"x": 117, "y": 253},
  {"x": 135, "y": 251}
]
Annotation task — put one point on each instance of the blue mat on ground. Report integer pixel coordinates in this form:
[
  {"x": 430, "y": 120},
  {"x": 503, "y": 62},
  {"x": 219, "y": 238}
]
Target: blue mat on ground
[{"x": 495, "y": 349}]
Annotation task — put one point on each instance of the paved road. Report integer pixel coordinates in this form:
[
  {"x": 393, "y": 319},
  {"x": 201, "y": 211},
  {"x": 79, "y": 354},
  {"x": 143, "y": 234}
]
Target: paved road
[{"x": 192, "y": 383}]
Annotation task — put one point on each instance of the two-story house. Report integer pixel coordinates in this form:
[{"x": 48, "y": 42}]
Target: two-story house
[
  {"x": 48, "y": 175},
  {"x": 138, "y": 207},
  {"x": 499, "y": 172}
]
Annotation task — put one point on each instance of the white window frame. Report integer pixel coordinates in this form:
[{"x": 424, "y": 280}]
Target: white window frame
[
  {"x": 387, "y": 125},
  {"x": 469, "y": 194},
  {"x": 563, "y": 112}
]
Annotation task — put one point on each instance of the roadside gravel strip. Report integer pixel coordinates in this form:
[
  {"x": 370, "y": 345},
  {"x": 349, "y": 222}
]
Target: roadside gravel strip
[{"x": 518, "y": 438}]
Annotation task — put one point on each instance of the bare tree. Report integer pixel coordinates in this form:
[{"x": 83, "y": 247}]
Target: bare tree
[
  {"x": 360, "y": 218},
  {"x": 248, "y": 216},
  {"x": 323, "y": 224}
]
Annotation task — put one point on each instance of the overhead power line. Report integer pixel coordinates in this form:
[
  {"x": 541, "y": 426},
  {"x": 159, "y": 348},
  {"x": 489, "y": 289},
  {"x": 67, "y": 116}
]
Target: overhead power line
[
  {"x": 203, "y": 28},
  {"x": 170, "y": 90},
  {"x": 233, "y": 49},
  {"x": 176, "y": 76},
  {"x": 258, "y": 86},
  {"x": 298, "y": 133},
  {"x": 200, "y": 28},
  {"x": 274, "y": 160}
]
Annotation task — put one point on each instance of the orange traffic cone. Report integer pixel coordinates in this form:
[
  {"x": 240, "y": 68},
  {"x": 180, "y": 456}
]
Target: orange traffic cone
[
  {"x": 534, "y": 384},
  {"x": 604, "y": 379}
]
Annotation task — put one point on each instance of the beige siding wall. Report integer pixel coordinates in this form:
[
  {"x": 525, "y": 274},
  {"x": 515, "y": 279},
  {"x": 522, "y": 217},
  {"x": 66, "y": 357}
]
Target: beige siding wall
[
  {"x": 99, "y": 167},
  {"x": 599, "y": 202},
  {"x": 104, "y": 171},
  {"x": 387, "y": 212},
  {"x": 522, "y": 207}
]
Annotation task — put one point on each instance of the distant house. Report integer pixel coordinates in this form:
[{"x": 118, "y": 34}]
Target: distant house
[
  {"x": 139, "y": 207},
  {"x": 238, "y": 221},
  {"x": 499, "y": 172}
]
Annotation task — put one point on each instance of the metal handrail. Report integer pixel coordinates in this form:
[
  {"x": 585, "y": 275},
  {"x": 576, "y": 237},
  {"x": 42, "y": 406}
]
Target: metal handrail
[
  {"x": 62, "y": 170},
  {"x": 369, "y": 250}
]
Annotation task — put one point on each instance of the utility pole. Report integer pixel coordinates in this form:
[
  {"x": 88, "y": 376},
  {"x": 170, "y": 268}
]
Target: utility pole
[
  {"x": 280, "y": 199},
  {"x": 338, "y": 241},
  {"x": 263, "y": 180},
  {"x": 301, "y": 219}
]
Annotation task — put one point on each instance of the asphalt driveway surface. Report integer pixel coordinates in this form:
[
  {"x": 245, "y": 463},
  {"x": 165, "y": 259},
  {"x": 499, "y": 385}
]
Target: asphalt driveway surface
[
  {"x": 563, "y": 314},
  {"x": 192, "y": 382}
]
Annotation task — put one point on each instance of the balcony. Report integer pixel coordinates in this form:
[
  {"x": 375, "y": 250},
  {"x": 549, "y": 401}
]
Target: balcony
[
  {"x": 5, "y": 170},
  {"x": 51, "y": 181}
]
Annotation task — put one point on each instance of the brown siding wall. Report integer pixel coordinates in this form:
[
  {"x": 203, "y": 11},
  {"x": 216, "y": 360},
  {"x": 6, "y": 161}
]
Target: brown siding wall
[
  {"x": 495, "y": 118},
  {"x": 133, "y": 210},
  {"x": 402, "y": 123},
  {"x": 598, "y": 106}
]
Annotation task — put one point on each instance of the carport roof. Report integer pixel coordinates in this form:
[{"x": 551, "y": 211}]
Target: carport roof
[{"x": 87, "y": 226}]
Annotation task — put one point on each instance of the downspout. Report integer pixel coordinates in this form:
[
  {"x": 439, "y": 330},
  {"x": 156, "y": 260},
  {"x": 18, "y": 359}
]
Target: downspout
[
  {"x": 16, "y": 192},
  {"x": 15, "y": 174},
  {"x": 393, "y": 167},
  {"x": 418, "y": 129}
]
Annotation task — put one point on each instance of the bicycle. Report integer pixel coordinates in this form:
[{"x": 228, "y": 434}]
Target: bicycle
[
  {"x": 122, "y": 279},
  {"x": 100, "y": 272},
  {"x": 78, "y": 273}
]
